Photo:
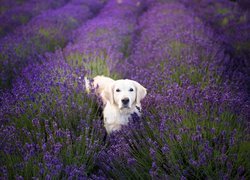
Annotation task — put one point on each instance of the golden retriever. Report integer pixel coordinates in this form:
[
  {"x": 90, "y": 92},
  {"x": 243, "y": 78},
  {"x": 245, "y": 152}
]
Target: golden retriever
[{"x": 121, "y": 98}]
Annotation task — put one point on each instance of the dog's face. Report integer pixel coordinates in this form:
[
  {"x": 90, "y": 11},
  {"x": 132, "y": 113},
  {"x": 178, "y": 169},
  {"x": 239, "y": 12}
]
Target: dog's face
[{"x": 125, "y": 94}]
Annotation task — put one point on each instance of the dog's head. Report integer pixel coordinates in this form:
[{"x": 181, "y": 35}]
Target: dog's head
[{"x": 125, "y": 94}]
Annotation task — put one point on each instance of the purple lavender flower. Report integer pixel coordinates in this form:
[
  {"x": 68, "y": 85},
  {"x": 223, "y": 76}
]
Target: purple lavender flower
[
  {"x": 131, "y": 161},
  {"x": 46, "y": 32},
  {"x": 153, "y": 171},
  {"x": 194, "y": 119},
  {"x": 107, "y": 36},
  {"x": 21, "y": 14}
]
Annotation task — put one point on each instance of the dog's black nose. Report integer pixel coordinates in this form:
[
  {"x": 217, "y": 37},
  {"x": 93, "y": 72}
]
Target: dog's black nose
[{"x": 125, "y": 101}]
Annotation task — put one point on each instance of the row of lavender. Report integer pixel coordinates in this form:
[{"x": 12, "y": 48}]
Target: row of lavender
[
  {"x": 42, "y": 34},
  {"x": 195, "y": 124},
  {"x": 14, "y": 14},
  {"x": 231, "y": 21},
  {"x": 105, "y": 41},
  {"x": 49, "y": 126}
]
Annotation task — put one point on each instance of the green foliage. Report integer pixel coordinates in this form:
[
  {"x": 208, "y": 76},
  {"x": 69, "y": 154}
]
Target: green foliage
[
  {"x": 21, "y": 50},
  {"x": 176, "y": 49},
  {"x": 48, "y": 40},
  {"x": 197, "y": 74},
  {"x": 183, "y": 148},
  {"x": 223, "y": 11},
  {"x": 54, "y": 110},
  {"x": 225, "y": 21},
  {"x": 71, "y": 23},
  {"x": 21, "y": 18},
  {"x": 3, "y": 9},
  {"x": 126, "y": 46},
  {"x": 94, "y": 64}
]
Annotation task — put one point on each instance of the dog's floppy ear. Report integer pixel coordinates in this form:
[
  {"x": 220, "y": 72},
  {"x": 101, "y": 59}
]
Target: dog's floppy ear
[
  {"x": 107, "y": 94},
  {"x": 141, "y": 92},
  {"x": 101, "y": 82}
]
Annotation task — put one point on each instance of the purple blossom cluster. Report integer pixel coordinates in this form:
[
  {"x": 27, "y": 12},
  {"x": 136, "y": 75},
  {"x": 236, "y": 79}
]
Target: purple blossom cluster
[
  {"x": 192, "y": 117},
  {"x": 231, "y": 22},
  {"x": 106, "y": 38},
  {"x": 45, "y": 32},
  {"x": 20, "y": 14},
  {"x": 8, "y": 4},
  {"x": 195, "y": 121},
  {"x": 49, "y": 124}
]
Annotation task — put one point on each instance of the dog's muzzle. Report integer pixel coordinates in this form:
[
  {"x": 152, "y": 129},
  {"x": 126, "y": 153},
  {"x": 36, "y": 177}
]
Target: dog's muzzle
[{"x": 125, "y": 103}]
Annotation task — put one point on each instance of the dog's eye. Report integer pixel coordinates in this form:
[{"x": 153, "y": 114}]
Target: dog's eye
[
  {"x": 131, "y": 89},
  {"x": 117, "y": 90}
]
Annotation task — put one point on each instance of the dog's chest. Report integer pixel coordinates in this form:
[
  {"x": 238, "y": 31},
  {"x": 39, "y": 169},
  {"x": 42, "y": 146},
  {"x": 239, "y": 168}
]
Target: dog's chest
[{"x": 114, "y": 116}]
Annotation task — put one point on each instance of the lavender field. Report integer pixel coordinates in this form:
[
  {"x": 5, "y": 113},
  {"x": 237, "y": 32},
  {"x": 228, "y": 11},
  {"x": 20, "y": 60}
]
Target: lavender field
[{"x": 191, "y": 55}]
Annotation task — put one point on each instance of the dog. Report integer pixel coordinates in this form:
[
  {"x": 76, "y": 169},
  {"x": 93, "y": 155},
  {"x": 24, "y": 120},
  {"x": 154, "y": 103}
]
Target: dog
[{"x": 121, "y": 99}]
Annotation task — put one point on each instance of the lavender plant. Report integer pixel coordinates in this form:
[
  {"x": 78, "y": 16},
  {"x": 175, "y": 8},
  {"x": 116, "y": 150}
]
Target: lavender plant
[
  {"x": 44, "y": 33},
  {"x": 104, "y": 41},
  {"x": 194, "y": 123},
  {"x": 44, "y": 97},
  {"x": 8, "y": 4},
  {"x": 22, "y": 13},
  {"x": 231, "y": 23},
  {"x": 49, "y": 128}
]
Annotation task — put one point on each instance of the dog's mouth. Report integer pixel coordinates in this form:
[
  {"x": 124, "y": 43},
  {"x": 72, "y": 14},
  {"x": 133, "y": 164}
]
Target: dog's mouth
[{"x": 125, "y": 107}]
